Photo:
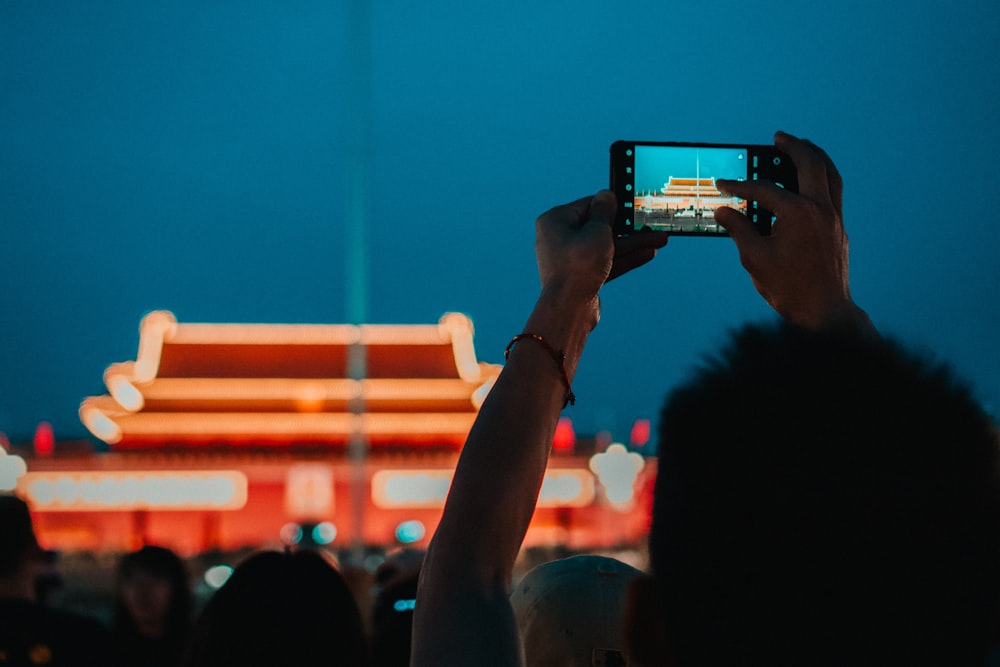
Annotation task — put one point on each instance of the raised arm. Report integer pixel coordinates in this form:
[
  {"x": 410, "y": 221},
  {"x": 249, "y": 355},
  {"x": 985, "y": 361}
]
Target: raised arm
[
  {"x": 463, "y": 615},
  {"x": 801, "y": 268}
]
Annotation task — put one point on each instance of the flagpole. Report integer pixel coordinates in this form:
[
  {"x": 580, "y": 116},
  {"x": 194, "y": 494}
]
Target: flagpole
[{"x": 358, "y": 143}]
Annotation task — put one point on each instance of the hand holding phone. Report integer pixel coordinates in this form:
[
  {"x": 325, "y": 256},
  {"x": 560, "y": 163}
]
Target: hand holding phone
[
  {"x": 802, "y": 268},
  {"x": 671, "y": 186}
]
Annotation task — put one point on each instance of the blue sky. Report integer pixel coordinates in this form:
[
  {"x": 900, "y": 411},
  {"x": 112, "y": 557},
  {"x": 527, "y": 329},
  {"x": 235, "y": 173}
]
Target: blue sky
[{"x": 199, "y": 157}]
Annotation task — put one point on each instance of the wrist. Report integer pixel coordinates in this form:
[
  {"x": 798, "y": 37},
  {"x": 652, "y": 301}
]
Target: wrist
[
  {"x": 849, "y": 318},
  {"x": 564, "y": 320},
  {"x": 558, "y": 356},
  {"x": 568, "y": 307}
]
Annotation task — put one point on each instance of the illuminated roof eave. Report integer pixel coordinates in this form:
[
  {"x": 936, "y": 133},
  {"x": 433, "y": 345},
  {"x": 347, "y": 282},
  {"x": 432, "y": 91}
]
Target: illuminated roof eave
[
  {"x": 266, "y": 426},
  {"x": 305, "y": 389},
  {"x": 210, "y": 403},
  {"x": 160, "y": 327}
]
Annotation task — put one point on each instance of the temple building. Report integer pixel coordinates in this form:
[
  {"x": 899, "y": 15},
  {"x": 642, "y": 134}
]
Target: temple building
[
  {"x": 680, "y": 196},
  {"x": 223, "y": 436}
]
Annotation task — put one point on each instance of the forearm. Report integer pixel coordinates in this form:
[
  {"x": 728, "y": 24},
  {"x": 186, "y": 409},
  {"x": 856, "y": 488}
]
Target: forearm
[
  {"x": 500, "y": 471},
  {"x": 501, "y": 467}
]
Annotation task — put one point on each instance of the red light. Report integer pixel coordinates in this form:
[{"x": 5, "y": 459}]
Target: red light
[
  {"x": 45, "y": 440},
  {"x": 564, "y": 440},
  {"x": 640, "y": 433}
]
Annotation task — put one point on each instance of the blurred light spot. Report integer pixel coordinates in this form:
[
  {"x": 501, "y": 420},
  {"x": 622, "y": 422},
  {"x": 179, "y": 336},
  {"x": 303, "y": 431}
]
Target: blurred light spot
[
  {"x": 324, "y": 533},
  {"x": 410, "y": 531},
  {"x": 310, "y": 397},
  {"x": 45, "y": 440},
  {"x": 309, "y": 490},
  {"x": 617, "y": 468},
  {"x": 100, "y": 425},
  {"x": 139, "y": 489},
  {"x": 217, "y": 575},
  {"x": 564, "y": 439},
  {"x": 291, "y": 533},
  {"x": 566, "y": 488},
  {"x": 404, "y": 605},
  {"x": 125, "y": 393},
  {"x": 12, "y": 467},
  {"x": 410, "y": 488},
  {"x": 640, "y": 433}
]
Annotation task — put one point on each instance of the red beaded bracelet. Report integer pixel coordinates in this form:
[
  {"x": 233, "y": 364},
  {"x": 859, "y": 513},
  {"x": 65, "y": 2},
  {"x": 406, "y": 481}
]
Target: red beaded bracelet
[{"x": 559, "y": 357}]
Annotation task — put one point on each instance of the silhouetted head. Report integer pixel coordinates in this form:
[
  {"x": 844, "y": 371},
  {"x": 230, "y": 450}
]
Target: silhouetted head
[
  {"x": 291, "y": 608},
  {"x": 825, "y": 499},
  {"x": 19, "y": 543},
  {"x": 154, "y": 596}
]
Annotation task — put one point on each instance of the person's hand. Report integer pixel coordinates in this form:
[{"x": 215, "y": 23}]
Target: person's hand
[
  {"x": 576, "y": 249},
  {"x": 801, "y": 269}
]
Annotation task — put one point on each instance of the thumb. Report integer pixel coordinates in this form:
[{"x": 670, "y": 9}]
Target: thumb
[
  {"x": 603, "y": 207},
  {"x": 739, "y": 227}
]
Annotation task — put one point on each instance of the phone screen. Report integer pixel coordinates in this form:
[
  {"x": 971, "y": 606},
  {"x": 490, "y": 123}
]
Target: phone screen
[{"x": 670, "y": 186}]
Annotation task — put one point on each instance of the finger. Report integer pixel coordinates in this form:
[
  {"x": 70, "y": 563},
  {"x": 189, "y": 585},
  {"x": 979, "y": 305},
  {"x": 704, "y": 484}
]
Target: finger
[
  {"x": 809, "y": 164},
  {"x": 603, "y": 207},
  {"x": 749, "y": 242},
  {"x": 736, "y": 223},
  {"x": 771, "y": 197},
  {"x": 640, "y": 240},
  {"x": 834, "y": 180},
  {"x": 634, "y": 251},
  {"x": 576, "y": 211},
  {"x": 626, "y": 262}
]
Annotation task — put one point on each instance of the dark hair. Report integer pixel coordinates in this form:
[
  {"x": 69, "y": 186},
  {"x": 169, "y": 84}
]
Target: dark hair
[
  {"x": 18, "y": 543},
  {"x": 161, "y": 563},
  {"x": 291, "y": 608},
  {"x": 392, "y": 623},
  {"x": 826, "y": 499}
]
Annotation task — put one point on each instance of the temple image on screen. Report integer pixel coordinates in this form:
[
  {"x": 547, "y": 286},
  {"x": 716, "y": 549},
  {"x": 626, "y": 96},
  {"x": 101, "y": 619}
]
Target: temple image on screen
[{"x": 675, "y": 186}]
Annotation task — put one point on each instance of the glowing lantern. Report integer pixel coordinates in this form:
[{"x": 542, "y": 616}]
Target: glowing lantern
[
  {"x": 618, "y": 468},
  {"x": 640, "y": 433},
  {"x": 45, "y": 440},
  {"x": 564, "y": 440}
]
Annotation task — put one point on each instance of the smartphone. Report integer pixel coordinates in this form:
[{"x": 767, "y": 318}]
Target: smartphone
[{"x": 670, "y": 186}]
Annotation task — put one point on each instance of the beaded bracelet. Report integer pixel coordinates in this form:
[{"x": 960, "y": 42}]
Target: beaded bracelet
[{"x": 557, "y": 356}]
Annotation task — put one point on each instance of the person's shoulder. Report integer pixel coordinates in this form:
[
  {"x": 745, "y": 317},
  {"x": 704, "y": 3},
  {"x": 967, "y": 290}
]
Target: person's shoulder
[
  {"x": 15, "y": 612},
  {"x": 52, "y": 636},
  {"x": 85, "y": 640},
  {"x": 71, "y": 621}
]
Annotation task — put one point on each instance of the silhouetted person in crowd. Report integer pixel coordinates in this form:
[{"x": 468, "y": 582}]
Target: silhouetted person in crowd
[
  {"x": 280, "y": 608},
  {"x": 153, "y": 608},
  {"x": 48, "y": 579},
  {"x": 857, "y": 521},
  {"x": 825, "y": 496},
  {"x": 32, "y": 633},
  {"x": 392, "y": 612}
]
